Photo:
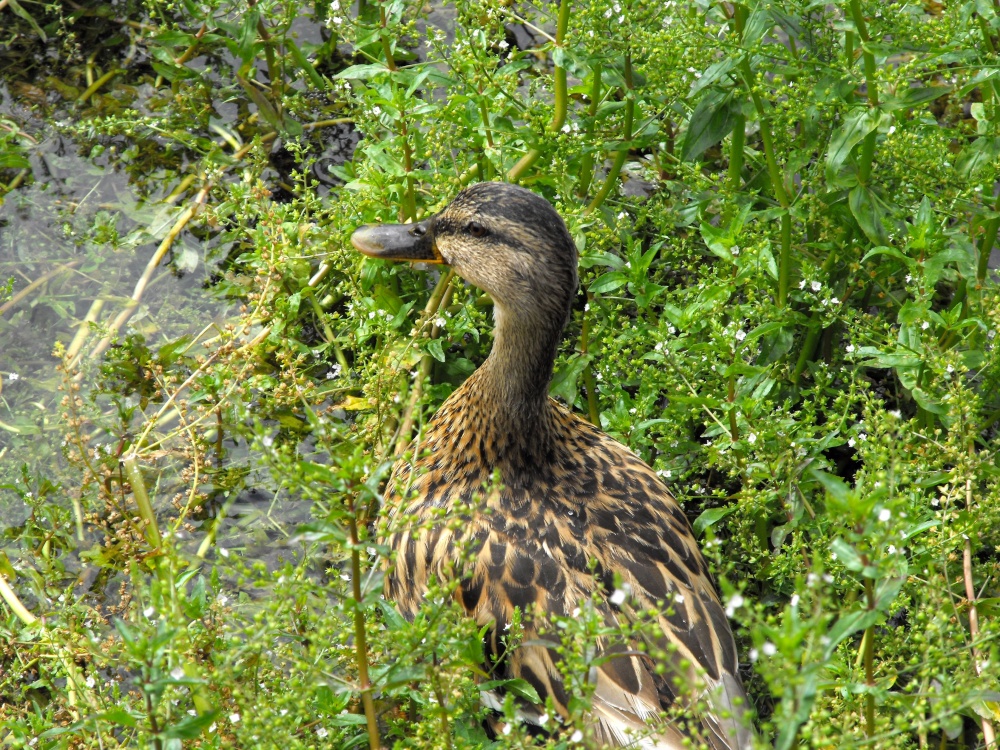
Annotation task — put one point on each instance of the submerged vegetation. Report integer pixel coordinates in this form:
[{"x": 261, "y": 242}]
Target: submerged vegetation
[{"x": 785, "y": 214}]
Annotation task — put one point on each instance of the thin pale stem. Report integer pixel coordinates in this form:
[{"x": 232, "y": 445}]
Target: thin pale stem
[
  {"x": 612, "y": 177},
  {"x": 561, "y": 99},
  {"x": 360, "y": 634}
]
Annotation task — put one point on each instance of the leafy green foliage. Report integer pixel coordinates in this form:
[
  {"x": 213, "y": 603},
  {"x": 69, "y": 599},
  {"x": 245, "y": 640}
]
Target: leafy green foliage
[{"x": 785, "y": 214}]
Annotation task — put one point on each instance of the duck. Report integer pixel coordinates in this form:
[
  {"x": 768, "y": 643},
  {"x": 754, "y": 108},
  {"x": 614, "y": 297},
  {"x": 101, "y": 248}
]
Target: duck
[{"x": 555, "y": 514}]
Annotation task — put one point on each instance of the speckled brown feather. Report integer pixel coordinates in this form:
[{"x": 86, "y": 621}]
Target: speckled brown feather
[{"x": 575, "y": 512}]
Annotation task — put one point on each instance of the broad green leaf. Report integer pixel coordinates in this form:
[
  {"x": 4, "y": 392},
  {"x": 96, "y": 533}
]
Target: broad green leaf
[
  {"x": 363, "y": 72},
  {"x": 858, "y": 123},
  {"x": 977, "y": 155},
  {"x": 710, "y": 122},
  {"x": 914, "y": 96},
  {"x": 871, "y": 214},
  {"x": 710, "y": 517}
]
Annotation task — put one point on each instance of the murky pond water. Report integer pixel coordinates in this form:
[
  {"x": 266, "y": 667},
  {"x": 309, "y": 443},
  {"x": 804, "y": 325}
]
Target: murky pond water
[{"x": 83, "y": 227}]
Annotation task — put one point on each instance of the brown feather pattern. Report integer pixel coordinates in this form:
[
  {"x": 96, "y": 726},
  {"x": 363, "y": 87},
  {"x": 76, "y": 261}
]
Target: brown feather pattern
[{"x": 574, "y": 511}]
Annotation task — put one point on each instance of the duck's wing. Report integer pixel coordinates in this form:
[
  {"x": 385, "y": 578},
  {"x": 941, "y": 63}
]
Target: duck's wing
[{"x": 544, "y": 575}]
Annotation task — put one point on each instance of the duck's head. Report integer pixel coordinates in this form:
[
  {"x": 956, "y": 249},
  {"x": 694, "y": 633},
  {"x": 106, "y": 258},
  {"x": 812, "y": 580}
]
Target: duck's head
[{"x": 502, "y": 238}]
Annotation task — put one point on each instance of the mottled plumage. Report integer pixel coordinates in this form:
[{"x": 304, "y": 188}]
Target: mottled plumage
[{"x": 575, "y": 512}]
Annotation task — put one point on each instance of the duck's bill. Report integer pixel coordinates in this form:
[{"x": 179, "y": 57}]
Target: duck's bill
[{"x": 407, "y": 242}]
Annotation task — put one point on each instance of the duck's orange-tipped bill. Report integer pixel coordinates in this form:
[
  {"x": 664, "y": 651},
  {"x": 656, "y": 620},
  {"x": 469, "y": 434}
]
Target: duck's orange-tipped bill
[{"x": 409, "y": 242}]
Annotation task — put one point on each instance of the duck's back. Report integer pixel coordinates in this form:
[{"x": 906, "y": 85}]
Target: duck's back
[{"x": 584, "y": 517}]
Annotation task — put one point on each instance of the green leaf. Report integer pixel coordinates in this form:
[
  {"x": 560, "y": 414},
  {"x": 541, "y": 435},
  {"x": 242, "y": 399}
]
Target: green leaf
[
  {"x": 22, "y": 13},
  {"x": 564, "y": 381},
  {"x": 520, "y": 688},
  {"x": 710, "y": 517},
  {"x": 191, "y": 727},
  {"x": 977, "y": 155},
  {"x": 914, "y": 96},
  {"x": 858, "y": 123},
  {"x": 436, "y": 349},
  {"x": 871, "y": 214},
  {"x": 609, "y": 282},
  {"x": 363, "y": 72},
  {"x": 248, "y": 35},
  {"x": 13, "y": 160},
  {"x": 847, "y": 626},
  {"x": 710, "y": 122}
]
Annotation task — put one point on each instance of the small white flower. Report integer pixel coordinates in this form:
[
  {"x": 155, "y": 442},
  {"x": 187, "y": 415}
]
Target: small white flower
[
  {"x": 892, "y": 549},
  {"x": 148, "y": 612},
  {"x": 925, "y": 325},
  {"x": 503, "y": 44},
  {"x": 321, "y": 732},
  {"x": 90, "y": 682},
  {"x": 834, "y": 301},
  {"x": 884, "y": 515},
  {"x": 733, "y": 603},
  {"x": 816, "y": 286},
  {"x": 850, "y": 348},
  {"x": 909, "y": 278},
  {"x": 892, "y": 129},
  {"x": 751, "y": 438},
  {"x": 618, "y": 598},
  {"x": 177, "y": 673},
  {"x": 740, "y": 335},
  {"x": 543, "y": 720},
  {"x": 802, "y": 284},
  {"x": 234, "y": 718},
  {"x": 936, "y": 502},
  {"x": 754, "y": 655},
  {"x": 13, "y": 376},
  {"x": 223, "y": 551},
  {"x": 769, "y": 649},
  {"x": 735, "y": 250},
  {"x": 795, "y": 600},
  {"x": 862, "y": 437},
  {"x": 850, "y": 442},
  {"x": 506, "y": 728},
  {"x": 678, "y": 598},
  {"x": 267, "y": 440},
  {"x": 576, "y": 612},
  {"x": 812, "y": 579},
  {"x": 949, "y": 369},
  {"x": 577, "y": 736}
]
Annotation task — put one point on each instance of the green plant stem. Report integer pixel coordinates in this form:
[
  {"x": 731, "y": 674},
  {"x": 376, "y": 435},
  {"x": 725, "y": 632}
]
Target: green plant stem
[
  {"x": 990, "y": 230},
  {"x": 96, "y": 85},
  {"x": 589, "y": 381},
  {"x": 409, "y": 189},
  {"x": 777, "y": 182},
  {"x": 360, "y": 635},
  {"x": 131, "y": 465},
  {"x": 612, "y": 177},
  {"x": 439, "y": 694},
  {"x": 587, "y": 162},
  {"x": 16, "y": 606},
  {"x": 871, "y": 86},
  {"x": 738, "y": 141},
  {"x": 561, "y": 99},
  {"x": 785, "y": 259},
  {"x": 869, "y": 656},
  {"x": 439, "y": 298},
  {"x": 766, "y": 136},
  {"x": 734, "y": 428},
  {"x": 736, "y": 147}
]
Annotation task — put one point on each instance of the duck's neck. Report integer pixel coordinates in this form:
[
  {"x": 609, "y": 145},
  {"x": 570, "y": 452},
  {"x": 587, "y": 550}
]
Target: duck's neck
[{"x": 513, "y": 383}]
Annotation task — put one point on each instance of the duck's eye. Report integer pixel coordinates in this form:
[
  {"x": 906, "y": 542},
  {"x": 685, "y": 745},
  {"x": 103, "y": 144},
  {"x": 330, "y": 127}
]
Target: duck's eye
[{"x": 476, "y": 229}]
